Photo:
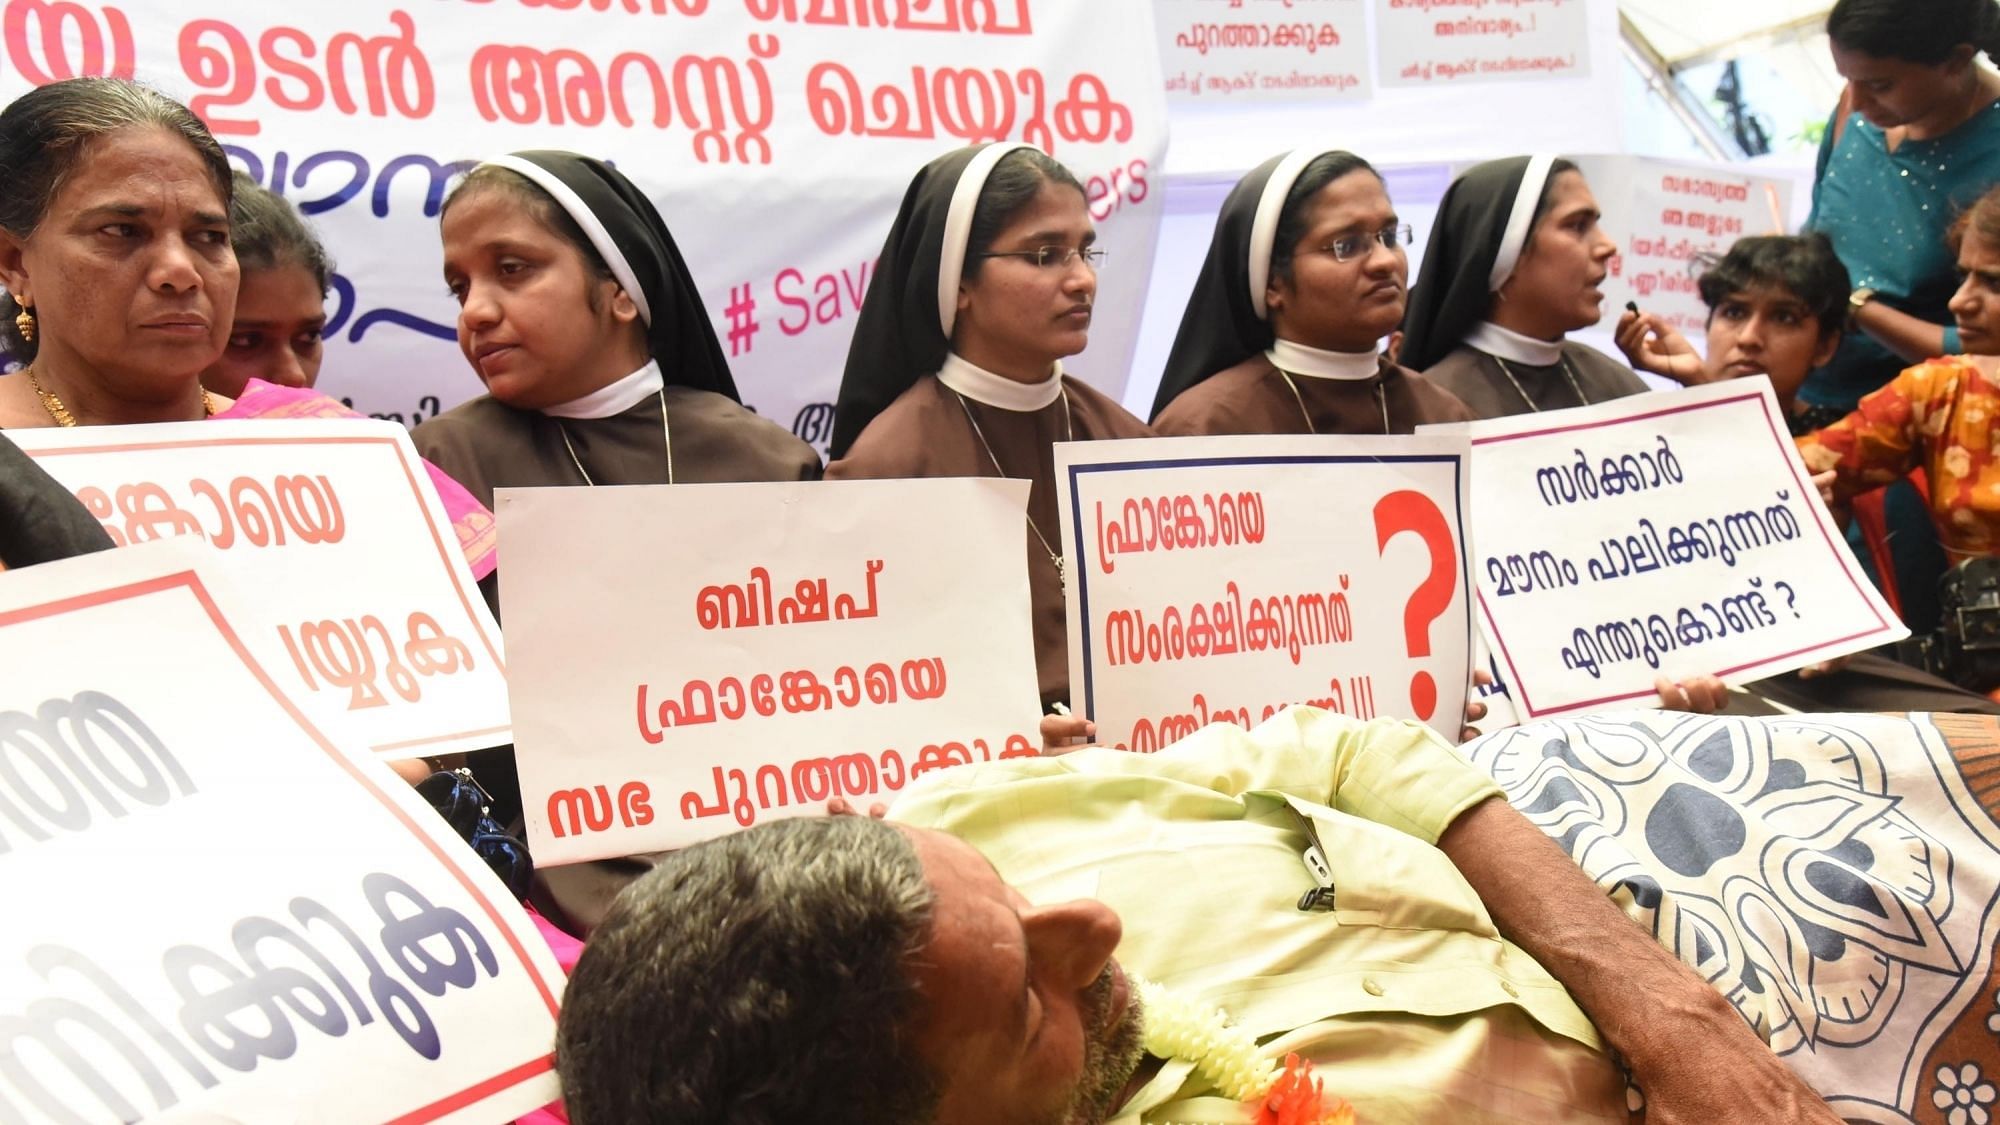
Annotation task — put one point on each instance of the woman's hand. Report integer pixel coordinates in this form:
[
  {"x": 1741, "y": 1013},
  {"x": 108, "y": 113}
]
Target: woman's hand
[
  {"x": 1824, "y": 668},
  {"x": 1653, "y": 346},
  {"x": 1063, "y": 733},
  {"x": 1697, "y": 695},
  {"x": 1474, "y": 710},
  {"x": 1824, "y": 482}
]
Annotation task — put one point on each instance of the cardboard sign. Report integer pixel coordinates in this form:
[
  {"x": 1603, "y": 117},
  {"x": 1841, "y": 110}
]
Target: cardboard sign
[
  {"x": 214, "y": 913},
  {"x": 1674, "y": 533},
  {"x": 1224, "y": 578},
  {"x": 691, "y": 659},
  {"x": 1221, "y": 51},
  {"x": 355, "y": 594},
  {"x": 1446, "y": 42}
]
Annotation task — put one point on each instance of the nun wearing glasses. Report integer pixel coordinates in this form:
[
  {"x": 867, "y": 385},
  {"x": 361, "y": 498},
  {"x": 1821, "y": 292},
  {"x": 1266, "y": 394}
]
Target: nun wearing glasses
[
  {"x": 986, "y": 284},
  {"x": 1308, "y": 272},
  {"x": 1512, "y": 268}
]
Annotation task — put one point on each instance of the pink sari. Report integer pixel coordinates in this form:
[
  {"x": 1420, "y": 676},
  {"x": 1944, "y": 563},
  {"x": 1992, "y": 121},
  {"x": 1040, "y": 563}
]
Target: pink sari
[{"x": 478, "y": 535}]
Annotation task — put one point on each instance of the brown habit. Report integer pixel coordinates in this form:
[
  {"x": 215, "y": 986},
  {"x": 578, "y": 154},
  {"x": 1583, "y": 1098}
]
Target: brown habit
[
  {"x": 924, "y": 433},
  {"x": 1252, "y": 398},
  {"x": 1481, "y": 381}
]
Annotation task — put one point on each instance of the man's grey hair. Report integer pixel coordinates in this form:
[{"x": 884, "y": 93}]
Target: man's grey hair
[{"x": 761, "y": 977}]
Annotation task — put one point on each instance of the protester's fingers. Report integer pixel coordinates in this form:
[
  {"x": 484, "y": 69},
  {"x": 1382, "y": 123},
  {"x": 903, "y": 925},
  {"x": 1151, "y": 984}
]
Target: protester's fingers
[
  {"x": 411, "y": 770},
  {"x": 1673, "y": 696},
  {"x": 1474, "y": 710},
  {"x": 1061, "y": 733},
  {"x": 1482, "y": 678},
  {"x": 1707, "y": 694},
  {"x": 839, "y": 807},
  {"x": 878, "y": 810},
  {"x": 1824, "y": 482}
]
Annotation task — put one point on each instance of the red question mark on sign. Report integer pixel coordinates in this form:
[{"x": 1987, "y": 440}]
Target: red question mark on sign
[{"x": 1413, "y": 511}]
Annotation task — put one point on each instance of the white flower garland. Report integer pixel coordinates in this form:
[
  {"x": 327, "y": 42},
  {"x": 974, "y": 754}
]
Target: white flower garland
[{"x": 1224, "y": 1055}]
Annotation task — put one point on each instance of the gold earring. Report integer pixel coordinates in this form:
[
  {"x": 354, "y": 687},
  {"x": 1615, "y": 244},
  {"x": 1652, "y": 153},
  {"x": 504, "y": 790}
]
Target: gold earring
[{"x": 25, "y": 324}]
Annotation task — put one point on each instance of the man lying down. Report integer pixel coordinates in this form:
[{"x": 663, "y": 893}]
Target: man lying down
[{"x": 1354, "y": 894}]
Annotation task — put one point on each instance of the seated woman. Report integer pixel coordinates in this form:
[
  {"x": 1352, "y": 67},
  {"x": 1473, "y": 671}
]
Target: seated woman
[
  {"x": 281, "y": 301},
  {"x": 1306, "y": 274},
  {"x": 599, "y": 361},
  {"x": 985, "y": 285},
  {"x": 1939, "y": 415},
  {"x": 1512, "y": 267},
  {"x": 120, "y": 281}
]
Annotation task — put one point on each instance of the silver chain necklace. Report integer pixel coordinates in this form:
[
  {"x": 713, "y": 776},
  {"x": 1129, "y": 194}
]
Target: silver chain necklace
[
  {"x": 666, "y": 433},
  {"x": 1069, "y": 434},
  {"x": 1563, "y": 362},
  {"x": 1381, "y": 398}
]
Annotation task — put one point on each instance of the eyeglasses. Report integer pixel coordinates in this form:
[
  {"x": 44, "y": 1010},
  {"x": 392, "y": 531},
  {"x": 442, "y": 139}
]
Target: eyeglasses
[
  {"x": 1053, "y": 257},
  {"x": 1351, "y": 246}
]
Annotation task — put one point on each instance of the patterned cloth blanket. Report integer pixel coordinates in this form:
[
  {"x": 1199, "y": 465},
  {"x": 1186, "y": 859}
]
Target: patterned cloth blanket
[{"x": 1836, "y": 877}]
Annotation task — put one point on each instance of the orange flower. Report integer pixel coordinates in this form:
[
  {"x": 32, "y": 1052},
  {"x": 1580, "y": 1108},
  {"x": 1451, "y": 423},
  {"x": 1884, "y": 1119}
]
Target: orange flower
[{"x": 1298, "y": 1098}]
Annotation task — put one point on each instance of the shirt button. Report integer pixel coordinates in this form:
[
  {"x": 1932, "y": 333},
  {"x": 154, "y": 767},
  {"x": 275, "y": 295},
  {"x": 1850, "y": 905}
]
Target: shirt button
[
  {"x": 1508, "y": 988},
  {"x": 1369, "y": 985}
]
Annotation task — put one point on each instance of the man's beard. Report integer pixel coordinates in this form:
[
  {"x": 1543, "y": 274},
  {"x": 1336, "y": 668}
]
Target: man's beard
[{"x": 1110, "y": 1054}]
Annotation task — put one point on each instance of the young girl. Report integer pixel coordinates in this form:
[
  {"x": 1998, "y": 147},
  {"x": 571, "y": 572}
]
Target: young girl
[
  {"x": 281, "y": 300},
  {"x": 985, "y": 285},
  {"x": 1513, "y": 266},
  {"x": 1307, "y": 273},
  {"x": 600, "y": 365}
]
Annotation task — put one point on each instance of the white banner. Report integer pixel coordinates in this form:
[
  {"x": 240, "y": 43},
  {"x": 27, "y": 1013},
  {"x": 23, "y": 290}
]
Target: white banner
[
  {"x": 776, "y": 136},
  {"x": 1673, "y": 533},
  {"x": 1446, "y": 42},
  {"x": 357, "y": 596},
  {"x": 215, "y": 914},
  {"x": 737, "y": 652},
  {"x": 1666, "y": 217},
  {"x": 1220, "y": 50},
  {"x": 1225, "y": 578}
]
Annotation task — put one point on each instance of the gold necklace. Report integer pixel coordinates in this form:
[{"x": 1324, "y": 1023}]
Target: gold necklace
[
  {"x": 1069, "y": 434},
  {"x": 68, "y": 421},
  {"x": 1562, "y": 362},
  {"x": 666, "y": 433}
]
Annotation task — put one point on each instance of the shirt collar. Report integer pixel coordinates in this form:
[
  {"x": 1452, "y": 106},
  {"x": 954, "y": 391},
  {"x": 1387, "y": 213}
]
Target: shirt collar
[
  {"x": 1322, "y": 364},
  {"x": 613, "y": 398},
  {"x": 981, "y": 385},
  {"x": 1506, "y": 343}
]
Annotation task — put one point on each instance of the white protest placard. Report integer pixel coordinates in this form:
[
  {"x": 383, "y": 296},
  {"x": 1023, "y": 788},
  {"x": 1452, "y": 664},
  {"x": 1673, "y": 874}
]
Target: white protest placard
[
  {"x": 357, "y": 595},
  {"x": 1223, "y": 578},
  {"x": 1667, "y": 217},
  {"x": 1672, "y": 533},
  {"x": 1225, "y": 50},
  {"x": 737, "y": 652},
  {"x": 1445, "y": 42},
  {"x": 215, "y": 913}
]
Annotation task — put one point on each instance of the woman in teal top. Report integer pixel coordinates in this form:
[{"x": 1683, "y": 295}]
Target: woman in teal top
[{"x": 1915, "y": 139}]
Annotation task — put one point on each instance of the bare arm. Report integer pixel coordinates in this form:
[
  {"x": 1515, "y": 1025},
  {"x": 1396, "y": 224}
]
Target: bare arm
[
  {"x": 1688, "y": 1050},
  {"x": 1910, "y": 337}
]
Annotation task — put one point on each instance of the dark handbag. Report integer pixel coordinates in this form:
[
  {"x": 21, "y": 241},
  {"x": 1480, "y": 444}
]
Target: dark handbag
[
  {"x": 463, "y": 803},
  {"x": 1969, "y": 594}
]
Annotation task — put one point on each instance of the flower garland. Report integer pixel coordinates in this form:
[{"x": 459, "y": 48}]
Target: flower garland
[{"x": 1226, "y": 1057}]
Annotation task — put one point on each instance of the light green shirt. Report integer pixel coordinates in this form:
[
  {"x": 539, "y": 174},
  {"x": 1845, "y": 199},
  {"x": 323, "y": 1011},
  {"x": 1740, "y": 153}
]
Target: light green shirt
[{"x": 1404, "y": 995}]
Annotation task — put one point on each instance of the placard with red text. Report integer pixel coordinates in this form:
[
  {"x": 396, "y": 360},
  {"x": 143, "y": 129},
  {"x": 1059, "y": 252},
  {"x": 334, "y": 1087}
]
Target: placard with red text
[
  {"x": 1673, "y": 533},
  {"x": 215, "y": 913},
  {"x": 1224, "y": 578},
  {"x": 738, "y": 652},
  {"x": 1447, "y": 42},
  {"x": 1226, "y": 50},
  {"x": 357, "y": 596}
]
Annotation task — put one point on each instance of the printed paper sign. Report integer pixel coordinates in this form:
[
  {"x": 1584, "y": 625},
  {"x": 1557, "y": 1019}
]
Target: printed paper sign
[
  {"x": 1667, "y": 217},
  {"x": 356, "y": 594},
  {"x": 218, "y": 915},
  {"x": 1225, "y": 578},
  {"x": 1673, "y": 533},
  {"x": 737, "y": 652},
  {"x": 1447, "y": 42},
  {"x": 1217, "y": 50}
]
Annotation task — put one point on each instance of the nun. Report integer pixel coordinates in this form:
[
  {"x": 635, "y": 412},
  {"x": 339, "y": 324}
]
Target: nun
[
  {"x": 985, "y": 285},
  {"x": 1306, "y": 274},
  {"x": 1512, "y": 267},
  {"x": 583, "y": 323}
]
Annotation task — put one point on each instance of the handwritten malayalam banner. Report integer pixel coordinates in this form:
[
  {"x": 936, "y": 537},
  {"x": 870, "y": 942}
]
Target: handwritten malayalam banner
[
  {"x": 1671, "y": 533},
  {"x": 802, "y": 118},
  {"x": 1226, "y": 578},
  {"x": 1265, "y": 49},
  {"x": 738, "y": 652},
  {"x": 358, "y": 597},
  {"x": 216, "y": 914},
  {"x": 1667, "y": 216},
  {"x": 1446, "y": 42}
]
